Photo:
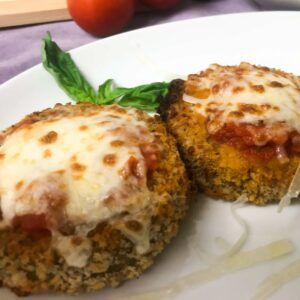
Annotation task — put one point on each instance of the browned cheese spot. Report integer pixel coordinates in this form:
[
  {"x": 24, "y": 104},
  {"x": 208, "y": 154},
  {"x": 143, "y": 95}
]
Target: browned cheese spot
[
  {"x": 236, "y": 114},
  {"x": 225, "y": 84},
  {"x": 102, "y": 123},
  {"x": 77, "y": 167},
  {"x": 117, "y": 130},
  {"x": 134, "y": 225},
  {"x": 31, "y": 185},
  {"x": 113, "y": 116},
  {"x": 118, "y": 109},
  {"x": 142, "y": 129},
  {"x": 19, "y": 185},
  {"x": 140, "y": 115},
  {"x": 131, "y": 169},
  {"x": 281, "y": 73},
  {"x": 25, "y": 123},
  {"x": 49, "y": 138},
  {"x": 258, "y": 88},
  {"x": 237, "y": 89},
  {"x": 212, "y": 104},
  {"x": 2, "y": 138},
  {"x": 276, "y": 84},
  {"x": 60, "y": 172},
  {"x": 83, "y": 127},
  {"x": 239, "y": 72},
  {"x": 266, "y": 69},
  {"x": 194, "y": 91},
  {"x": 260, "y": 74},
  {"x": 216, "y": 89},
  {"x": 2, "y": 156},
  {"x": 109, "y": 159},
  {"x": 202, "y": 94},
  {"x": 195, "y": 77},
  {"x": 91, "y": 114},
  {"x": 109, "y": 201},
  {"x": 55, "y": 199},
  {"x": 211, "y": 110},
  {"x": 117, "y": 143},
  {"x": 47, "y": 153},
  {"x": 250, "y": 108},
  {"x": 209, "y": 70},
  {"x": 73, "y": 158},
  {"x": 77, "y": 177},
  {"x": 266, "y": 106}
]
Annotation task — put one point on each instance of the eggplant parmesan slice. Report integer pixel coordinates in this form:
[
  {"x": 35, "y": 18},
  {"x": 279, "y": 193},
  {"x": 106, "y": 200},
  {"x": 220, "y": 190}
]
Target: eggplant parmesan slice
[
  {"x": 238, "y": 129},
  {"x": 89, "y": 196}
]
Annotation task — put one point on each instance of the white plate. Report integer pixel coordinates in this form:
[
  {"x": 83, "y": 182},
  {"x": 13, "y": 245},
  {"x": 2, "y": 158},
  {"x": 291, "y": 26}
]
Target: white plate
[{"x": 269, "y": 39}]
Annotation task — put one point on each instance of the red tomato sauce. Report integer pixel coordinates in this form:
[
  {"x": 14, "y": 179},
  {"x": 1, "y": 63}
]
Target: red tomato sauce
[
  {"x": 31, "y": 223},
  {"x": 258, "y": 140},
  {"x": 151, "y": 155}
]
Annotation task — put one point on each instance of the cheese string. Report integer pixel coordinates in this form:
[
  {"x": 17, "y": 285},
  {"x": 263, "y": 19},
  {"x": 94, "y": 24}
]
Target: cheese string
[
  {"x": 292, "y": 192},
  {"x": 230, "y": 261},
  {"x": 232, "y": 264},
  {"x": 275, "y": 281},
  {"x": 230, "y": 251}
]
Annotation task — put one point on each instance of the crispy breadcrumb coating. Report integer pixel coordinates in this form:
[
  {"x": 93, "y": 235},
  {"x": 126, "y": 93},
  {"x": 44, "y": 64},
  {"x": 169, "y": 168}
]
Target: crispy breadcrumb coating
[
  {"x": 221, "y": 170},
  {"x": 28, "y": 263}
]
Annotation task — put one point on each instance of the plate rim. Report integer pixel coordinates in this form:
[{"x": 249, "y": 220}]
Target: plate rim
[
  {"x": 154, "y": 27},
  {"x": 172, "y": 25}
]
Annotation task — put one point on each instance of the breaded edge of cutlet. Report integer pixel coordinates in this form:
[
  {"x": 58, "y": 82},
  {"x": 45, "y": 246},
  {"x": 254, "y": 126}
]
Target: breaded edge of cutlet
[
  {"x": 221, "y": 170},
  {"x": 28, "y": 263}
]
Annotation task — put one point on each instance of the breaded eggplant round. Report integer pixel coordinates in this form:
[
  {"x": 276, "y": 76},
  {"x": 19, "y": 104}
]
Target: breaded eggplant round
[
  {"x": 237, "y": 128},
  {"x": 89, "y": 196}
]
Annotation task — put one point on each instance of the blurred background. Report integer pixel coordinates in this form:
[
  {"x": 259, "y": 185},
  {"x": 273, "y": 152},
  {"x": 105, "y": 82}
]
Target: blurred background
[{"x": 24, "y": 22}]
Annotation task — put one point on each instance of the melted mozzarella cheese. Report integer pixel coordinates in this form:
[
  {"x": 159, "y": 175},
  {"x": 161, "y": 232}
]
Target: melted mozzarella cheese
[
  {"x": 79, "y": 161},
  {"x": 75, "y": 253},
  {"x": 245, "y": 94}
]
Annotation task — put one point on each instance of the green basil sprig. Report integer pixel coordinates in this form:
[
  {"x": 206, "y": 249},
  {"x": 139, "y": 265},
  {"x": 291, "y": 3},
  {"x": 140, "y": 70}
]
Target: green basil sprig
[
  {"x": 64, "y": 70},
  {"x": 61, "y": 66}
]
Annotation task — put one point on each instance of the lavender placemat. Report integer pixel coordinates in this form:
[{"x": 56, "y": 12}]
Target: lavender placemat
[{"x": 20, "y": 47}]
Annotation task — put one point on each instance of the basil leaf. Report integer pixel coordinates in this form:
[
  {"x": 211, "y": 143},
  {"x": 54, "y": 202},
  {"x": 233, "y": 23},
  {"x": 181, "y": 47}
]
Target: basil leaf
[
  {"x": 108, "y": 93},
  {"x": 61, "y": 66},
  {"x": 143, "y": 96},
  {"x": 139, "y": 102}
]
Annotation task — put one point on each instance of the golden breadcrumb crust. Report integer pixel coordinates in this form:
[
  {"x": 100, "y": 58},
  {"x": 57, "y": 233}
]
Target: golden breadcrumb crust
[
  {"x": 220, "y": 170},
  {"x": 28, "y": 264}
]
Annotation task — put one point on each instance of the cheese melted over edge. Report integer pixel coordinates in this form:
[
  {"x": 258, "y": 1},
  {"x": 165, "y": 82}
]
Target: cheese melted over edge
[
  {"x": 245, "y": 94},
  {"x": 78, "y": 170}
]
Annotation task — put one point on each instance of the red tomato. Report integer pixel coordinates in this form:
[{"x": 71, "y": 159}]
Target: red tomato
[
  {"x": 101, "y": 17},
  {"x": 161, "y": 4}
]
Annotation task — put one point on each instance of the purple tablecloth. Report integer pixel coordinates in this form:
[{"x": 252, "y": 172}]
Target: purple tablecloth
[{"x": 20, "y": 47}]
